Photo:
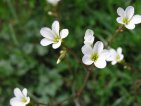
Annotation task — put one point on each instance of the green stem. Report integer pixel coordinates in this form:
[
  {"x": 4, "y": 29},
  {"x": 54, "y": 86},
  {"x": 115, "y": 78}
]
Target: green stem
[
  {"x": 115, "y": 34},
  {"x": 13, "y": 35}
]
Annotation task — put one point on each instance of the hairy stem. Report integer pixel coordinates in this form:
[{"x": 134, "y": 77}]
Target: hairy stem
[
  {"x": 79, "y": 91},
  {"x": 115, "y": 34},
  {"x": 113, "y": 37}
]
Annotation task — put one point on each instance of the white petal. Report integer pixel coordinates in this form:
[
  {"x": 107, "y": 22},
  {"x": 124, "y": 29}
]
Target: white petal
[
  {"x": 28, "y": 100},
  {"x": 16, "y": 102},
  {"x": 24, "y": 92},
  {"x": 56, "y": 45},
  {"x": 129, "y": 12},
  {"x": 105, "y": 54},
  {"x": 100, "y": 63},
  {"x": 64, "y": 33},
  {"x": 18, "y": 93},
  {"x": 86, "y": 49},
  {"x": 119, "y": 50},
  {"x": 120, "y": 11},
  {"x": 53, "y": 2},
  {"x": 89, "y": 38},
  {"x": 119, "y": 20},
  {"x": 55, "y": 27},
  {"x": 136, "y": 19},
  {"x": 130, "y": 26},
  {"x": 121, "y": 57},
  {"x": 114, "y": 62},
  {"x": 47, "y": 33},
  {"x": 98, "y": 47},
  {"x": 45, "y": 42},
  {"x": 112, "y": 56},
  {"x": 86, "y": 60}
]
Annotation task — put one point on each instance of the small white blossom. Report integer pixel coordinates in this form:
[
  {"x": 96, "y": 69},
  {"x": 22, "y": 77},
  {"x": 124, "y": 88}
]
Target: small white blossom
[
  {"x": 53, "y": 36},
  {"x": 95, "y": 54},
  {"x": 127, "y": 17},
  {"x": 115, "y": 56},
  {"x": 53, "y": 2},
  {"x": 21, "y": 98},
  {"x": 89, "y": 38}
]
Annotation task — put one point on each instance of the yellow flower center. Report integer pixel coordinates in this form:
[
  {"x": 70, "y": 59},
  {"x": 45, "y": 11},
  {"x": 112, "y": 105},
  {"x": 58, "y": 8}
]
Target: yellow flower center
[
  {"x": 125, "y": 20},
  {"x": 57, "y": 39},
  {"x": 24, "y": 100},
  {"x": 118, "y": 58},
  {"x": 94, "y": 57}
]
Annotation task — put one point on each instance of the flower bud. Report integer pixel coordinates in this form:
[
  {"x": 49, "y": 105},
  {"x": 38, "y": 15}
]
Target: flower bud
[{"x": 62, "y": 55}]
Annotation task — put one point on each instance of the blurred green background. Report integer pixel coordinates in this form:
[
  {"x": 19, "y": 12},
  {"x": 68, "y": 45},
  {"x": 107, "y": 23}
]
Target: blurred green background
[{"x": 25, "y": 63}]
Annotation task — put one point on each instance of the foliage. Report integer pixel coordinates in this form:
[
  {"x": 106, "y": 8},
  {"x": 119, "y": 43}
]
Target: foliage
[{"x": 25, "y": 63}]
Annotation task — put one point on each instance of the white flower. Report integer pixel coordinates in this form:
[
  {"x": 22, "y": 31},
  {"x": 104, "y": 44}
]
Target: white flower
[
  {"x": 20, "y": 98},
  {"x": 96, "y": 55},
  {"x": 53, "y": 36},
  {"x": 53, "y": 2},
  {"x": 127, "y": 17},
  {"x": 89, "y": 38},
  {"x": 115, "y": 56}
]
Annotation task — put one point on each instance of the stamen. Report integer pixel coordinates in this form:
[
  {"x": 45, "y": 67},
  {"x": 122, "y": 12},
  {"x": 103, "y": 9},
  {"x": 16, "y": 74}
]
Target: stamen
[
  {"x": 57, "y": 39},
  {"x": 125, "y": 20},
  {"x": 118, "y": 58},
  {"x": 24, "y": 100},
  {"x": 94, "y": 57}
]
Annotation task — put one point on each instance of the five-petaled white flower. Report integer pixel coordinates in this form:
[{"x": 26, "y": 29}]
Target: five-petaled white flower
[
  {"x": 115, "y": 56},
  {"x": 127, "y": 17},
  {"x": 20, "y": 98},
  {"x": 53, "y": 2},
  {"x": 53, "y": 36},
  {"x": 96, "y": 55},
  {"x": 89, "y": 38}
]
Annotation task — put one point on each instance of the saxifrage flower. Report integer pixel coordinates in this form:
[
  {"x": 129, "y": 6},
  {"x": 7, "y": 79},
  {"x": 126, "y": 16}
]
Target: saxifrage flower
[
  {"x": 127, "y": 17},
  {"x": 53, "y": 36},
  {"x": 116, "y": 56},
  {"x": 21, "y": 98},
  {"x": 95, "y": 54}
]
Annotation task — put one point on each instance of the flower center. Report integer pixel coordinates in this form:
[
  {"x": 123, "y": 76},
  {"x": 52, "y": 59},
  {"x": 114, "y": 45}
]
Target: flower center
[
  {"x": 118, "y": 58},
  {"x": 125, "y": 20},
  {"x": 24, "y": 100},
  {"x": 56, "y": 39},
  {"x": 94, "y": 57}
]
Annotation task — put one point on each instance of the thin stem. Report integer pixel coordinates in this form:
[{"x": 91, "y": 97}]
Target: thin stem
[
  {"x": 80, "y": 91},
  {"x": 13, "y": 35},
  {"x": 54, "y": 12},
  {"x": 129, "y": 66},
  {"x": 73, "y": 54},
  {"x": 115, "y": 34},
  {"x": 12, "y": 9}
]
